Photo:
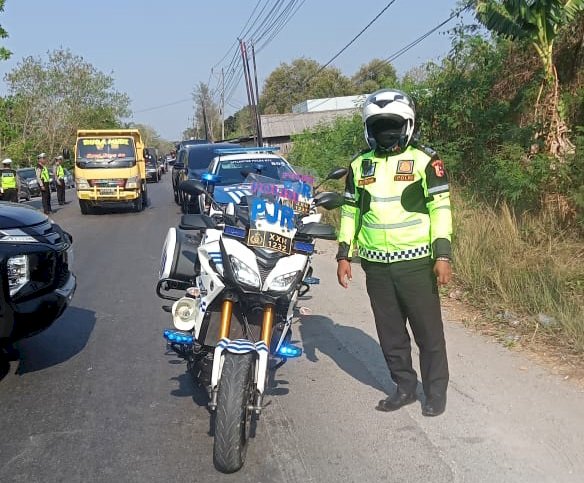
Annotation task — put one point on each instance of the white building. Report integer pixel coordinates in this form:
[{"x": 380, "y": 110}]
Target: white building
[{"x": 330, "y": 104}]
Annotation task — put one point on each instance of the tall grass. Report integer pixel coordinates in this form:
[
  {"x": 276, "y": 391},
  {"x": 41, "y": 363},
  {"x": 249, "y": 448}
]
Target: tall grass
[{"x": 530, "y": 264}]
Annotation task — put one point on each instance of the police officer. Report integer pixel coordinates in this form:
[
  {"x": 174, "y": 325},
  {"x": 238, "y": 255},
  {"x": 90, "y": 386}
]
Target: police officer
[
  {"x": 397, "y": 212},
  {"x": 44, "y": 180},
  {"x": 59, "y": 176},
  {"x": 9, "y": 182}
]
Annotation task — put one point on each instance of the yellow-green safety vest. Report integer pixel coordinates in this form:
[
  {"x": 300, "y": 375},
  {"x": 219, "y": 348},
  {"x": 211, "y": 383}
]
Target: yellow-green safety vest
[
  {"x": 45, "y": 176},
  {"x": 397, "y": 207},
  {"x": 60, "y": 172},
  {"x": 8, "y": 179}
]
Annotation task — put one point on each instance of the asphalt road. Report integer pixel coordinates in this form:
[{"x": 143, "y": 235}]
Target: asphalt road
[{"x": 96, "y": 398}]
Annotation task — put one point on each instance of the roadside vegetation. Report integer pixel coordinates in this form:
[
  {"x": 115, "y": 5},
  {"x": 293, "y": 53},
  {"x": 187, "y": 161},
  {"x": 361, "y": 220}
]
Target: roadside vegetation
[{"x": 510, "y": 127}]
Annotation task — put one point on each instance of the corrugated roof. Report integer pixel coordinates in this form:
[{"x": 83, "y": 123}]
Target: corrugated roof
[{"x": 279, "y": 125}]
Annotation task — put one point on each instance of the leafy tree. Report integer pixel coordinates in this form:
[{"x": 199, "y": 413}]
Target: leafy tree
[
  {"x": 376, "y": 74},
  {"x": 51, "y": 99},
  {"x": 239, "y": 124},
  {"x": 538, "y": 22},
  {"x": 292, "y": 83},
  {"x": 4, "y": 52}
]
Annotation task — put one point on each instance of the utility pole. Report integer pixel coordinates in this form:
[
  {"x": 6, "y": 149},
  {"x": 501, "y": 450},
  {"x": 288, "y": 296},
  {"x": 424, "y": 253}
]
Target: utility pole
[
  {"x": 222, "y": 105},
  {"x": 257, "y": 109},
  {"x": 248, "y": 86}
]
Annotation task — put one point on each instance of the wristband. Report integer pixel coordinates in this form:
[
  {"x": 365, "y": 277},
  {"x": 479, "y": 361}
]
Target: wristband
[{"x": 443, "y": 259}]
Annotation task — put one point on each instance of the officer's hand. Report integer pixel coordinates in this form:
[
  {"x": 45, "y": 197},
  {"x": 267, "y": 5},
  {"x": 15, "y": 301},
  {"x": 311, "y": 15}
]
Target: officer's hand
[
  {"x": 344, "y": 273},
  {"x": 443, "y": 272}
]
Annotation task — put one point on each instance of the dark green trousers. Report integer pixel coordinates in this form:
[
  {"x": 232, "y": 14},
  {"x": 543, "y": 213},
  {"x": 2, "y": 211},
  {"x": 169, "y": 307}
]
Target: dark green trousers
[{"x": 402, "y": 292}]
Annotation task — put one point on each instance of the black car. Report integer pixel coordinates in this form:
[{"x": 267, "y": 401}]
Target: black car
[
  {"x": 36, "y": 282},
  {"x": 152, "y": 170},
  {"x": 24, "y": 191},
  {"x": 29, "y": 176},
  {"x": 192, "y": 161}
]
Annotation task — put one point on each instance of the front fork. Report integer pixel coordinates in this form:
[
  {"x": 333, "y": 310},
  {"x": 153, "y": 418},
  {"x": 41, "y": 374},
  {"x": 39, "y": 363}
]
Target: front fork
[{"x": 261, "y": 348}]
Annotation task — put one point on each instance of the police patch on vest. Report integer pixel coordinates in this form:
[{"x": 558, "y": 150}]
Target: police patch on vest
[
  {"x": 405, "y": 166},
  {"x": 367, "y": 168},
  {"x": 404, "y": 177},
  {"x": 365, "y": 181}
]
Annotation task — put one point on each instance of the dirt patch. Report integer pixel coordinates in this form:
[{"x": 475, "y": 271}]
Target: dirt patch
[{"x": 520, "y": 333}]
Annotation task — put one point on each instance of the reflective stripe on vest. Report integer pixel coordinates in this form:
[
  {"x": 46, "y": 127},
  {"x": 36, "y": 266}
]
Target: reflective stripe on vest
[
  {"x": 45, "y": 176},
  {"x": 8, "y": 179}
]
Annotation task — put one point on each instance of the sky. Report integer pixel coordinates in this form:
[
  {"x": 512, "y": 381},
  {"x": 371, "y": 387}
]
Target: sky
[{"x": 157, "y": 51}]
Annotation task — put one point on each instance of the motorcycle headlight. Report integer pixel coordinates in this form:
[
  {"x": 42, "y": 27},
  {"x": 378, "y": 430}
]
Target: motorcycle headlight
[
  {"x": 82, "y": 184},
  {"x": 132, "y": 183},
  {"x": 244, "y": 274},
  {"x": 18, "y": 273},
  {"x": 282, "y": 283}
]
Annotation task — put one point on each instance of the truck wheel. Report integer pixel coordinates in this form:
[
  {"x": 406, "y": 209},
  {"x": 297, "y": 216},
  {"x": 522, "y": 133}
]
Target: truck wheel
[
  {"x": 138, "y": 204},
  {"x": 84, "y": 207},
  {"x": 233, "y": 419}
]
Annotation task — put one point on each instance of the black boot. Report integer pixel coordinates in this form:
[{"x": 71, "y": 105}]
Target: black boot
[
  {"x": 434, "y": 406},
  {"x": 396, "y": 401}
]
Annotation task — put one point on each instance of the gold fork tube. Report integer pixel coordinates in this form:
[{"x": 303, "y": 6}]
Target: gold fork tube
[
  {"x": 267, "y": 324},
  {"x": 226, "y": 313}
]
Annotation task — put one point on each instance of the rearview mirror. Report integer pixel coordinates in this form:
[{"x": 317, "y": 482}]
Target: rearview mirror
[
  {"x": 337, "y": 173},
  {"x": 318, "y": 230},
  {"x": 66, "y": 154},
  {"x": 196, "y": 222},
  {"x": 328, "y": 200},
  {"x": 192, "y": 187}
]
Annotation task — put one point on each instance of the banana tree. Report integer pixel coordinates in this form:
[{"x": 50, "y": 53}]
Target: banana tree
[{"x": 538, "y": 22}]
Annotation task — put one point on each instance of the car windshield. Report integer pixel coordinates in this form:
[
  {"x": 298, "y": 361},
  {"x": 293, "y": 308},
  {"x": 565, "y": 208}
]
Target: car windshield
[
  {"x": 237, "y": 170},
  {"x": 106, "y": 152},
  {"x": 199, "y": 159},
  {"x": 27, "y": 173}
]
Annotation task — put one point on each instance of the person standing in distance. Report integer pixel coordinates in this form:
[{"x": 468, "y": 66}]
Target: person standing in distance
[
  {"x": 59, "y": 176},
  {"x": 44, "y": 180},
  {"x": 9, "y": 182},
  {"x": 397, "y": 212}
]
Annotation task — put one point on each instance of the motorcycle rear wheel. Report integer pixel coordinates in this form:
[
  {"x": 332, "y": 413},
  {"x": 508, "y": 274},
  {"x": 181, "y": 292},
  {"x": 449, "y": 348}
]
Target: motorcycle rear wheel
[{"x": 233, "y": 417}]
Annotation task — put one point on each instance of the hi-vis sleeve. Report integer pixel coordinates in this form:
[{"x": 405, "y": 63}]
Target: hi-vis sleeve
[
  {"x": 349, "y": 218},
  {"x": 438, "y": 202}
]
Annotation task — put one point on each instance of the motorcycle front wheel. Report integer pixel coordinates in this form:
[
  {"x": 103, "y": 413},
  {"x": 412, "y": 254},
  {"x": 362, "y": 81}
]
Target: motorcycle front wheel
[{"x": 233, "y": 417}]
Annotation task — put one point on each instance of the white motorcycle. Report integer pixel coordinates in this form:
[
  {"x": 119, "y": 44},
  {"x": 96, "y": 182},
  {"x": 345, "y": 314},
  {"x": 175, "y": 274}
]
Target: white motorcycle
[{"x": 242, "y": 273}]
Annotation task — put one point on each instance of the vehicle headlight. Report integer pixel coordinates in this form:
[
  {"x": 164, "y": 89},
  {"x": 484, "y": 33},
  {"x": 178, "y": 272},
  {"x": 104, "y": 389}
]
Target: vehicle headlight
[
  {"x": 32, "y": 183},
  {"x": 132, "y": 183},
  {"x": 82, "y": 184},
  {"x": 244, "y": 274},
  {"x": 18, "y": 273},
  {"x": 282, "y": 283}
]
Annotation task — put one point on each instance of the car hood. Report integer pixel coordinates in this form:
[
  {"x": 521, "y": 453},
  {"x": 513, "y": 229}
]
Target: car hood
[
  {"x": 13, "y": 215},
  {"x": 231, "y": 193}
]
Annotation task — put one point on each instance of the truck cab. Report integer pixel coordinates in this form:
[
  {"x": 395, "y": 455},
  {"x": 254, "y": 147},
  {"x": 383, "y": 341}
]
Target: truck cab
[{"x": 110, "y": 169}]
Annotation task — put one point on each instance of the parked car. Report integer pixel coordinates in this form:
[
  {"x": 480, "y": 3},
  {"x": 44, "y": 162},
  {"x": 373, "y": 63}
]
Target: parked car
[
  {"x": 152, "y": 170},
  {"x": 23, "y": 189},
  {"x": 29, "y": 177},
  {"x": 193, "y": 160},
  {"x": 36, "y": 281}
]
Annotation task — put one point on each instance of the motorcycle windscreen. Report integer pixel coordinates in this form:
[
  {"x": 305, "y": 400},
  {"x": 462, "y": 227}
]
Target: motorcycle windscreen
[{"x": 274, "y": 208}]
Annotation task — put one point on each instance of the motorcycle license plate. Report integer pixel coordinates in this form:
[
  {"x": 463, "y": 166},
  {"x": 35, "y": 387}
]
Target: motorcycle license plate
[
  {"x": 267, "y": 239},
  {"x": 298, "y": 206}
]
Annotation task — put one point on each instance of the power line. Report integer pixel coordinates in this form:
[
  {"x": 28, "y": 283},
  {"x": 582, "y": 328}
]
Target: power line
[
  {"x": 350, "y": 42},
  {"x": 417, "y": 41},
  {"x": 162, "y": 106}
]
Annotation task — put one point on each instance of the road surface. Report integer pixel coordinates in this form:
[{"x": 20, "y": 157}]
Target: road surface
[{"x": 97, "y": 398}]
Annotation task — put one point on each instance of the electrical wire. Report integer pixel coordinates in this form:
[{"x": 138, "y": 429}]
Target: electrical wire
[{"x": 383, "y": 10}]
